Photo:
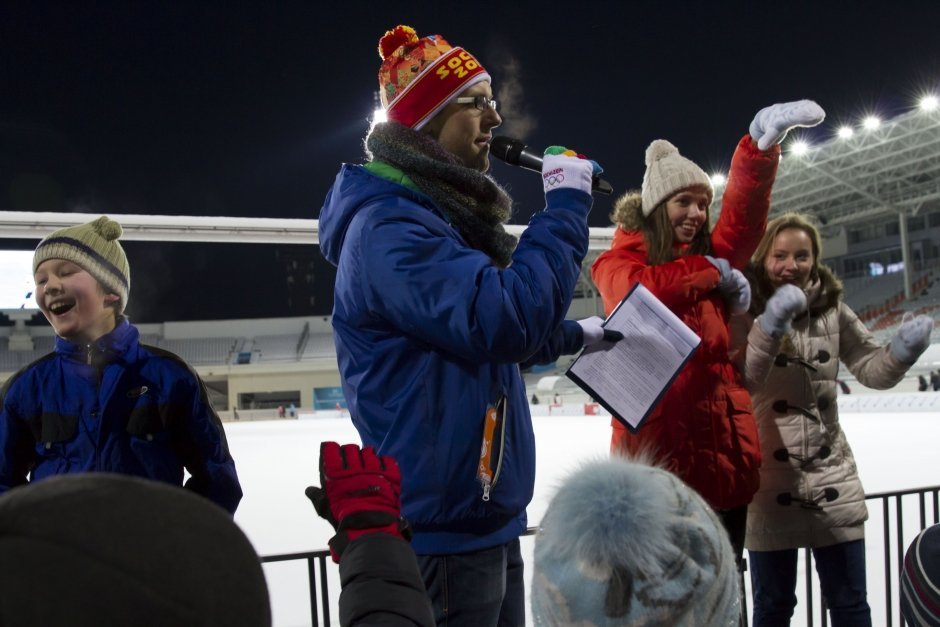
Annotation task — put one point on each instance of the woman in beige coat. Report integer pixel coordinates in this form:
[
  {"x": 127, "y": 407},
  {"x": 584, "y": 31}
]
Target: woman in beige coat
[{"x": 810, "y": 494}]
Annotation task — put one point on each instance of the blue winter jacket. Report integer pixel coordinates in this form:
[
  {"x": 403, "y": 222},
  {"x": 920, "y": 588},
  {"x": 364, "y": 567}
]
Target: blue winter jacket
[
  {"x": 114, "y": 406},
  {"x": 429, "y": 334}
]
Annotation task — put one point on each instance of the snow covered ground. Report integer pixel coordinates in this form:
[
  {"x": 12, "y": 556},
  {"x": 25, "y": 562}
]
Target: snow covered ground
[{"x": 276, "y": 460}]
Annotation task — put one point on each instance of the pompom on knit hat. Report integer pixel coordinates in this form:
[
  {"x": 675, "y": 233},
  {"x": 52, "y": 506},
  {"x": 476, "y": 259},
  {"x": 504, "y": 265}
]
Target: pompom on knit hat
[
  {"x": 627, "y": 543},
  {"x": 94, "y": 247},
  {"x": 419, "y": 76},
  {"x": 93, "y": 549},
  {"x": 920, "y": 580},
  {"x": 668, "y": 172}
]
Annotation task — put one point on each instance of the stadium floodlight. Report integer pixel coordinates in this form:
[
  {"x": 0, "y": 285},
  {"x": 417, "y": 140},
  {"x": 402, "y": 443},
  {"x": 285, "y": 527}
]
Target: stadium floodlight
[
  {"x": 846, "y": 132},
  {"x": 871, "y": 122},
  {"x": 718, "y": 179},
  {"x": 929, "y": 103},
  {"x": 799, "y": 147}
]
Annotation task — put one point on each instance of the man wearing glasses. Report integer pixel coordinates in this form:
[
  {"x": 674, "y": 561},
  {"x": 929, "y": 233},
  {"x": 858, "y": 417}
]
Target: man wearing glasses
[{"x": 436, "y": 304}]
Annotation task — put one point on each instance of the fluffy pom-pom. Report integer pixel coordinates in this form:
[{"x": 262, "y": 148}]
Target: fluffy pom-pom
[
  {"x": 658, "y": 149},
  {"x": 394, "y": 39},
  {"x": 613, "y": 512},
  {"x": 108, "y": 228}
]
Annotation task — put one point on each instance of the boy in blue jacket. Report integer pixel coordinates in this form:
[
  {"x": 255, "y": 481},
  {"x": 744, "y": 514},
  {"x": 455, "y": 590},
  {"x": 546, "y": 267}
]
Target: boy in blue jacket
[{"x": 102, "y": 402}]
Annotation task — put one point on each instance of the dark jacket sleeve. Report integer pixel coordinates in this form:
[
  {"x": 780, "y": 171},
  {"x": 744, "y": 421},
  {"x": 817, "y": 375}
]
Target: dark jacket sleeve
[
  {"x": 381, "y": 584},
  {"x": 425, "y": 281},
  {"x": 567, "y": 339},
  {"x": 17, "y": 446},
  {"x": 204, "y": 450}
]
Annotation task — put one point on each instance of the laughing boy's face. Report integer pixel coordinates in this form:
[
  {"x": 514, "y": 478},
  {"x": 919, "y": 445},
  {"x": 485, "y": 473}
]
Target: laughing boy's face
[{"x": 73, "y": 301}]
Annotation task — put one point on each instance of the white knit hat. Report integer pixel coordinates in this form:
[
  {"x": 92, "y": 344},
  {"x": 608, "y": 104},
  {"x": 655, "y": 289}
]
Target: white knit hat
[
  {"x": 668, "y": 172},
  {"x": 626, "y": 543}
]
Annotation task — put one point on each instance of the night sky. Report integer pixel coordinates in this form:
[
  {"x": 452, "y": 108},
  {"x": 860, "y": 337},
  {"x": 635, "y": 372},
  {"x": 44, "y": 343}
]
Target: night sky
[{"x": 247, "y": 109}]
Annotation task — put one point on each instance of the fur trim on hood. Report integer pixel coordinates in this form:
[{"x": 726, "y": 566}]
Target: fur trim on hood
[{"x": 628, "y": 211}]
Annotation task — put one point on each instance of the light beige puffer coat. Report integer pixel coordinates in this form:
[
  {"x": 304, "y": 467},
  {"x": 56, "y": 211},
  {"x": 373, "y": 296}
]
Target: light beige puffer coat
[{"x": 810, "y": 494}]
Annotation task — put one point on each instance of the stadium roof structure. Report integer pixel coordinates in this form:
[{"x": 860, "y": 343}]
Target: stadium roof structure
[{"x": 872, "y": 175}]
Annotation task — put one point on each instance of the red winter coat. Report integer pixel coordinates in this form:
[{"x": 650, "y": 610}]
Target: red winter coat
[{"x": 703, "y": 429}]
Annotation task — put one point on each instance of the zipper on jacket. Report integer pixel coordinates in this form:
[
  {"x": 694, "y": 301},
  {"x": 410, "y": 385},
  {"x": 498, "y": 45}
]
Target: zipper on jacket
[{"x": 491, "y": 449}]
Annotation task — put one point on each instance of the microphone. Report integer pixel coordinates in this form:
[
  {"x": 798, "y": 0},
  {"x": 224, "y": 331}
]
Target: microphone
[{"x": 515, "y": 152}]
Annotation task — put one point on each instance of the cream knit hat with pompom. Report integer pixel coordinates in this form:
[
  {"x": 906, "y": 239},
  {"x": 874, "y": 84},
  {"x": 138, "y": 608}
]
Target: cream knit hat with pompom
[
  {"x": 668, "y": 172},
  {"x": 93, "y": 247}
]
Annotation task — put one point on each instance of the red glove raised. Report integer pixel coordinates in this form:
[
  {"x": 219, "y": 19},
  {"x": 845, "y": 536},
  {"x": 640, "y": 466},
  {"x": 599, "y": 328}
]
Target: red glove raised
[{"x": 360, "y": 494}]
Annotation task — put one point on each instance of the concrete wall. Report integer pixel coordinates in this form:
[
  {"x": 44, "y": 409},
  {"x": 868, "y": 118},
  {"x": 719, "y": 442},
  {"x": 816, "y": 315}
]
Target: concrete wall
[{"x": 255, "y": 380}]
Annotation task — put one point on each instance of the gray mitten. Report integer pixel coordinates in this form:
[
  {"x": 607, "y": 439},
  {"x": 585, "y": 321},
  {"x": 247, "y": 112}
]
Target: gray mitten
[
  {"x": 724, "y": 269},
  {"x": 771, "y": 124},
  {"x": 912, "y": 338},
  {"x": 732, "y": 284},
  {"x": 739, "y": 293},
  {"x": 781, "y": 308}
]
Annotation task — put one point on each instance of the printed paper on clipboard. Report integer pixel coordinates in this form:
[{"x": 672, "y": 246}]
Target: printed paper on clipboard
[{"x": 630, "y": 377}]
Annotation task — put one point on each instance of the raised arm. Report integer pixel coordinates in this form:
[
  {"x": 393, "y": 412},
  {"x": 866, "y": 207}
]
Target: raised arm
[{"x": 746, "y": 200}]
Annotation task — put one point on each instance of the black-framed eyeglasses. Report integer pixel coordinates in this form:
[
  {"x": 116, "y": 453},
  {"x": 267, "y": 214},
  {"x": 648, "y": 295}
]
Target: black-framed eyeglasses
[{"x": 483, "y": 103}]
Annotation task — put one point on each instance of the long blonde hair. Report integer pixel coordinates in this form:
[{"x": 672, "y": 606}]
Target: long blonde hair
[
  {"x": 761, "y": 286},
  {"x": 774, "y": 227}
]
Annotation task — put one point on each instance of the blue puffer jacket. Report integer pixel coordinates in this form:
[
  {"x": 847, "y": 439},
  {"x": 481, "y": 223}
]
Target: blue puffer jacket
[
  {"x": 114, "y": 406},
  {"x": 429, "y": 334}
]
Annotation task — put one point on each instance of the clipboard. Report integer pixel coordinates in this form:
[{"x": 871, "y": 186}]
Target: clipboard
[{"x": 629, "y": 377}]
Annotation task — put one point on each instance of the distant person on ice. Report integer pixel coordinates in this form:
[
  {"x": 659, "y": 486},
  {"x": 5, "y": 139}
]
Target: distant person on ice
[
  {"x": 810, "y": 493},
  {"x": 436, "y": 305},
  {"x": 103, "y": 402}
]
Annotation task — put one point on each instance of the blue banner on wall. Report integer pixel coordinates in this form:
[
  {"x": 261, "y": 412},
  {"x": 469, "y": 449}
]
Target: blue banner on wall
[{"x": 327, "y": 398}]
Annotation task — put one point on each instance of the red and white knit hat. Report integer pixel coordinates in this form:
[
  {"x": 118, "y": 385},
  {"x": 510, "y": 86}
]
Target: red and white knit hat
[{"x": 419, "y": 77}]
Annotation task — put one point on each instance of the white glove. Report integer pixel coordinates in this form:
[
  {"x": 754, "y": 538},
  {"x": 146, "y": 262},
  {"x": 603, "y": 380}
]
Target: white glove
[
  {"x": 912, "y": 338},
  {"x": 594, "y": 331},
  {"x": 560, "y": 171},
  {"x": 785, "y": 303},
  {"x": 772, "y": 123}
]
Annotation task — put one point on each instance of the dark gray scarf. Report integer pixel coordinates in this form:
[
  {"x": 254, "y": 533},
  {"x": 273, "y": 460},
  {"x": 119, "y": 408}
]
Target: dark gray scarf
[{"x": 471, "y": 201}]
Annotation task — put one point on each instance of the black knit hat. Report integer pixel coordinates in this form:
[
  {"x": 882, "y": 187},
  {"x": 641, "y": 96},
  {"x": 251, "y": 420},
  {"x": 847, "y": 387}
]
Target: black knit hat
[{"x": 101, "y": 549}]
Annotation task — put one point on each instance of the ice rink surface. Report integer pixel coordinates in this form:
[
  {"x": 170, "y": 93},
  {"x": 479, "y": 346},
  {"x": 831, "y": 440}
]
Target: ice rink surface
[{"x": 277, "y": 460}]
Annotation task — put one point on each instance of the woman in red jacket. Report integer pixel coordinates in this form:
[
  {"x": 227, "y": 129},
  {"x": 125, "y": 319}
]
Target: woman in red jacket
[{"x": 703, "y": 428}]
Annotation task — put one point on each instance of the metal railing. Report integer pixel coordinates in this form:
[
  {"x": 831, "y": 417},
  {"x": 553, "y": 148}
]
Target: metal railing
[
  {"x": 894, "y": 547},
  {"x": 311, "y": 557}
]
